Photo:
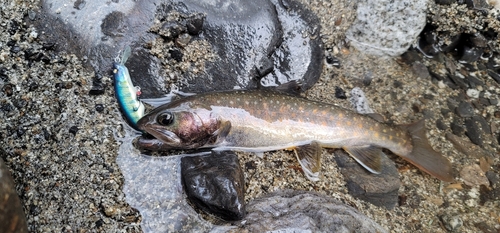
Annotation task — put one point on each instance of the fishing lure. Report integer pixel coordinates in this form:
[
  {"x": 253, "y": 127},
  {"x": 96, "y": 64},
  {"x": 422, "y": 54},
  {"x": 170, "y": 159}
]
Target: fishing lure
[{"x": 126, "y": 93}]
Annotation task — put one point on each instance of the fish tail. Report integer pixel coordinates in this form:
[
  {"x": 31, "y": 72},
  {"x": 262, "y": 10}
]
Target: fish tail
[{"x": 424, "y": 157}]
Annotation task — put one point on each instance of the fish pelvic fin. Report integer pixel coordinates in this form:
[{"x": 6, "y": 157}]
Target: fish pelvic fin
[
  {"x": 368, "y": 156},
  {"x": 424, "y": 157},
  {"x": 309, "y": 157}
]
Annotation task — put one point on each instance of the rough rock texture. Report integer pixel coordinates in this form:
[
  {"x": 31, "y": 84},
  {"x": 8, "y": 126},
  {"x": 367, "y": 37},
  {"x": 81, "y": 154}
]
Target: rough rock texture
[
  {"x": 215, "y": 183},
  {"x": 296, "y": 211},
  {"x": 387, "y": 28}
]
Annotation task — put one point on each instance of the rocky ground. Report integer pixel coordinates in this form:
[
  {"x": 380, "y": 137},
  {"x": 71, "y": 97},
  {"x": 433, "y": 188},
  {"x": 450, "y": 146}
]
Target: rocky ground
[{"x": 59, "y": 141}]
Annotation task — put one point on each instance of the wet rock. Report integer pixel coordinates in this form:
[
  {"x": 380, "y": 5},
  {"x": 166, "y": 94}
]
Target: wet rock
[
  {"x": 473, "y": 131},
  {"x": 452, "y": 222},
  {"x": 251, "y": 42},
  {"x": 215, "y": 184},
  {"x": 465, "y": 109},
  {"x": 386, "y": 28},
  {"x": 300, "y": 211},
  {"x": 378, "y": 189},
  {"x": 12, "y": 218},
  {"x": 470, "y": 54},
  {"x": 473, "y": 176}
]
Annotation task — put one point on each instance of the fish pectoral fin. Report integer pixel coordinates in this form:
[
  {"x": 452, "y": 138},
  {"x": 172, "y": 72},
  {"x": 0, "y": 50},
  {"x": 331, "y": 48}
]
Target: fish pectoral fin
[
  {"x": 367, "y": 156},
  {"x": 309, "y": 157},
  {"x": 222, "y": 131}
]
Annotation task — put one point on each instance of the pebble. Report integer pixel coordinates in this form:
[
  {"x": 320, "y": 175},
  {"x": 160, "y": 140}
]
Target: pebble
[
  {"x": 473, "y": 131},
  {"x": 473, "y": 176},
  {"x": 215, "y": 183},
  {"x": 452, "y": 222},
  {"x": 473, "y": 93},
  {"x": 340, "y": 93},
  {"x": 465, "y": 109}
]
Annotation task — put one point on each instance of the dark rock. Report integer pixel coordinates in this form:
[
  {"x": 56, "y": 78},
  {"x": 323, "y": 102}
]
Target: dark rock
[
  {"x": 115, "y": 24},
  {"x": 264, "y": 67},
  {"x": 378, "y": 189},
  {"x": 300, "y": 211},
  {"x": 460, "y": 82},
  {"x": 465, "y": 109},
  {"x": 445, "y": 112},
  {"x": 171, "y": 30},
  {"x": 494, "y": 179},
  {"x": 15, "y": 49},
  {"x": 488, "y": 194},
  {"x": 477, "y": 4},
  {"x": 215, "y": 184},
  {"x": 457, "y": 128},
  {"x": 79, "y": 4},
  {"x": 427, "y": 44},
  {"x": 73, "y": 130},
  {"x": 494, "y": 75},
  {"x": 340, "y": 93},
  {"x": 194, "y": 24},
  {"x": 470, "y": 54},
  {"x": 176, "y": 54},
  {"x": 485, "y": 228},
  {"x": 493, "y": 101},
  {"x": 474, "y": 131},
  {"x": 445, "y": 2},
  {"x": 8, "y": 89},
  {"x": 98, "y": 88},
  {"x": 441, "y": 125},
  {"x": 474, "y": 80},
  {"x": 99, "y": 107},
  {"x": 333, "y": 61},
  {"x": 12, "y": 218},
  {"x": 478, "y": 40}
]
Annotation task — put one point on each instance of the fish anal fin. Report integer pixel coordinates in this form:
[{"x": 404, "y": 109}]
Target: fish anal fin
[
  {"x": 424, "y": 157},
  {"x": 309, "y": 157},
  {"x": 367, "y": 156}
]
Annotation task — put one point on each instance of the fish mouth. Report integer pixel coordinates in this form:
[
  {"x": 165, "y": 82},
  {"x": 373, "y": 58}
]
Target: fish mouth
[{"x": 159, "y": 132}]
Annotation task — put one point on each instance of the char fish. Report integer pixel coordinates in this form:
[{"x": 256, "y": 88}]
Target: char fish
[{"x": 263, "y": 120}]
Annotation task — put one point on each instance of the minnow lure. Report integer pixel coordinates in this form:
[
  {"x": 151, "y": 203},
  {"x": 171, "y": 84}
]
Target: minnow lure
[
  {"x": 261, "y": 120},
  {"x": 126, "y": 93}
]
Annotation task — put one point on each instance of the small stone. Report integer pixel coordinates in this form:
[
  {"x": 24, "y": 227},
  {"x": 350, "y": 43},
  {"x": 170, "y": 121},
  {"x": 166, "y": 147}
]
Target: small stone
[
  {"x": 470, "y": 54},
  {"x": 473, "y": 93},
  {"x": 473, "y": 131},
  {"x": 494, "y": 75},
  {"x": 441, "y": 125},
  {"x": 465, "y": 109},
  {"x": 8, "y": 89},
  {"x": 73, "y": 130},
  {"x": 452, "y": 222},
  {"x": 176, "y": 54},
  {"x": 215, "y": 184},
  {"x": 445, "y": 2},
  {"x": 194, "y": 24},
  {"x": 183, "y": 40},
  {"x": 99, "y": 107},
  {"x": 493, "y": 101},
  {"x": 333, "y": 61},
  {"x": 98, "y": 88},
  {"x": 340, "y": 93},
  {"x": 473, "y": 176},
  {"x": 420, "y": 70}
]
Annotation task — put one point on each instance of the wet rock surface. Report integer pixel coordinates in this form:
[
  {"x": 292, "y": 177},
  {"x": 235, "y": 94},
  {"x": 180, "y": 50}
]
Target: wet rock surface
[
  {"x": 378, "y": 189},
  {"x": 12, "y": 218},
  {"x": 191, "y": 45},
  {"x": 215, "y": 183},
  {"x": 298, "y": 211}
]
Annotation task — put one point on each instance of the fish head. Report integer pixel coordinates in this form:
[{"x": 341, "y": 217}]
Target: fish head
[{"x": 179, "y": 129}]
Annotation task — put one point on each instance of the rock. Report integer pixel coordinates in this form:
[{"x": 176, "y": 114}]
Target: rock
[
  {"x": 340, "y": 93},
  {"x": 378, "y": 189},
  {"x": 457, "y": 128},
  {"x": 215, "y": 183},
  {"x": 470, "y": 54},
  {"x": 473, "y": 176},
  {"x": 494, "y": 75},
  {"x": 445, "y": 2},
  {"x": 12, "y": 218},
  {"x": 387, "y": 28},
  {"x": 420, "y": 70},
  {"x": 473, "y": 131},
  {"x": 300, "y": 211},
  {"x": 465, "y": 109},
  {"x": 452, "y": 222},
  {"x": 468, "y": 148},
  {"x": 250, "y": 42}
]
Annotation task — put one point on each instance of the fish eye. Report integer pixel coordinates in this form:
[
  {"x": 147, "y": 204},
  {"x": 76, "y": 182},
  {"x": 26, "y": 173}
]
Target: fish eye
[{"x": 165, "y": 118}]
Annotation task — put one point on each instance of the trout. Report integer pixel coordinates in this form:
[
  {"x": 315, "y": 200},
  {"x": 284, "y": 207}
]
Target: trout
[{"x": 262, "y": 120}]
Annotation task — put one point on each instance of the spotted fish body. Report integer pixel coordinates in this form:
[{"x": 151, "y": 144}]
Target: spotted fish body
[
  {"x": 259, "y": 121},
  {"x": 126, "y": 92}
]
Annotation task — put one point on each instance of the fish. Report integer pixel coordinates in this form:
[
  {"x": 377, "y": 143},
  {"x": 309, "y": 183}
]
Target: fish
[
  {"x": 262, "y": 120},
  {"x": 126, "y": 93}
]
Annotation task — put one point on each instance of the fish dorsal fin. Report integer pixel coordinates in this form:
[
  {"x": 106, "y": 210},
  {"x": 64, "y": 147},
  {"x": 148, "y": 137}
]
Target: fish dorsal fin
[
  {"x": 309, "y": 157},
  {"x": 367, "y": 156}
]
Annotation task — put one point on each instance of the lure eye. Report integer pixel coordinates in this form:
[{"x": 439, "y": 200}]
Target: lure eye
[{"x": 165, "y": 118}]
